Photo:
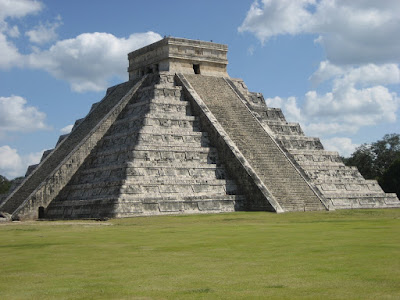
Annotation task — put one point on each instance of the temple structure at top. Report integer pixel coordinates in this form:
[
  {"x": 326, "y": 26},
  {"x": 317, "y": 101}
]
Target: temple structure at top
[
  {"x": 176, "y": 55},
  {"x": 179, "y": 137}
]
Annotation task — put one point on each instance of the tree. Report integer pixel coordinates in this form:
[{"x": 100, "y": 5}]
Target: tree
[
  {"x": 386, "y": 152},
  {"x": 390, "y": 180},
  {"x": 379, "y": 160},
  {"x": 372, "y": 160},
  {"x": 363, "y": 159}
]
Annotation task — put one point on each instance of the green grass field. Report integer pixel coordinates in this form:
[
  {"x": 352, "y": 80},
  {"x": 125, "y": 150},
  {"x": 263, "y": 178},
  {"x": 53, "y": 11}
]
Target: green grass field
[{"x": 352, "y": 254}]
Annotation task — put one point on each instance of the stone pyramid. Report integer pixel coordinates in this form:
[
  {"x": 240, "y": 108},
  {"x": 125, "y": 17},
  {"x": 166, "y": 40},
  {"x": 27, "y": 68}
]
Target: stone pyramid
[{"x": 181, "y": 136}]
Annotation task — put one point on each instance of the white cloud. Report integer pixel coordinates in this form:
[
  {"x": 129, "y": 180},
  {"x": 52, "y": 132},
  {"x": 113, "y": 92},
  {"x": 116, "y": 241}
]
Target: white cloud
[
  {"x": 88, "y": 61},
  {"x": 277, "y": 17},
  {"x": 13, "y": 31},
  {"x": 250, "y": 50},
  {"x": 344, "y": 110},
  {"x": 362, "y": 59},
  {"x": 349, "y": 105},
  {"x": 326, "y": 71},
  {"x": 66, "y": 129},
  {"x": 43, "y": 33},
  {"x": 292, "y": 111},
  {"x": 13, "y": 164},
  {"x": 10, "y": 55},
  {"x": 364, "y": 75},
  {"x": 343, "y": 145},
  {"x": 16, "y": 115},
  {"x": 18, "y": 8},
  {"x": 350, "y": 31}
]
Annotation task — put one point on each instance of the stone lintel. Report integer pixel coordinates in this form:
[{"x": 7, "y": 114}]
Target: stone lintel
[{"x": 178, "y": 55}]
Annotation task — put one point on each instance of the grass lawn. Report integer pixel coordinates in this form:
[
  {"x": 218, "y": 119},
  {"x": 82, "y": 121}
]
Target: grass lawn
[{"x": 350, "y": 254}]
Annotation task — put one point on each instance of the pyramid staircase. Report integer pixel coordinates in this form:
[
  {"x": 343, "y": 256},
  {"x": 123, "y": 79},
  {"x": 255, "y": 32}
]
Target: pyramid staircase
[
  {"x": 152, "y": 159},
  {"x": 343, "y": 187},
  {"x": 170, "y": 142},
  {"x": 283, "y": 180}
]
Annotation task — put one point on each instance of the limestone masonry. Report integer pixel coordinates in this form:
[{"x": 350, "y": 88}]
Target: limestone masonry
[{"x": 181, "y": 136}]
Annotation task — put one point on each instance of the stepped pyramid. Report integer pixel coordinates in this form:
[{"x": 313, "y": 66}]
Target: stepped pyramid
[{"x": 181, "y": 136}]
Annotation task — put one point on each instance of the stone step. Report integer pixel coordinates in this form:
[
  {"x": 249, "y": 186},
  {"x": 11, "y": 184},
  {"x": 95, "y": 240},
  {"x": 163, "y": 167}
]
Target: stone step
[
  {"x": 160, "y": 101},
  {"x": 297, "y": 142},
  {"x": 339, "y": 180},
  {"x": 284, "y": 128},
  {"x": 50, "y": 176},
  {"x": 157, "y": 173},
  {"x": 265, "y": 157},
  {"x": 115, "y": 207},
  {"x": 344, "y": 187},
  {"x": 141, "y": 151},
  {"x": 322, "y": 174},
  {"x": 152, "y": 182},
  {"x": 79, "y": 121},
  {"x": 154, "y": 157},
  {"x": 163, "y": 107},
  {"x": 135, "y": 166},
  {"x": 144, "y": 189},
  {"x": 312, "y": 165},
  {"x": 320, "y": 168},
  {"x": 137, "y": 122},
  {"x": 316, "y": 156},
  {"x": 272, "y": 114},
  {"x": 156, "y": 116},
  {"x": 45, "y": 154},
  {"x": 158, "y": 91},
  {"x": 155, "y": 137},
  {"x": 30, "y": 169},
  {"x": 313, "y": 152},
  {"x": 161, "y": 131},
  {"x": 142, "y": 158},
  {"x": 362, "y": 201},
  {"x": 61, "y": 138},
  {"x": 343, "y": 193}
]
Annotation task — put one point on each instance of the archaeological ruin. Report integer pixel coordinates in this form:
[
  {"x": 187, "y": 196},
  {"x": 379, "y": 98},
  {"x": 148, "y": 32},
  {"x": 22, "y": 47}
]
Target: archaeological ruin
[{"x": 183, "y": 137}]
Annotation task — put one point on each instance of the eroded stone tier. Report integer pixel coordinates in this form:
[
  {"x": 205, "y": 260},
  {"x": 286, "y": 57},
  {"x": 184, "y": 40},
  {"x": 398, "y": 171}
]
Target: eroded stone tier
[
  {"x": 183, "y": 137},
  {"x": 343, "y": 187}
]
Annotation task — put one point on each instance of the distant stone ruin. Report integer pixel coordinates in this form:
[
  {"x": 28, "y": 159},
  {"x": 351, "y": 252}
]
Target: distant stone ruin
[{"x": 183, "y": 137}]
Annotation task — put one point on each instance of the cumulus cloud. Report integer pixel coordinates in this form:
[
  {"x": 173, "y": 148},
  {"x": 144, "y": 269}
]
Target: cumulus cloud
[
  {"x": 362, "y": 60},
  {"x": 12, "y": 164},
  {"x": 344, "y": 110},
  {"x": 350, "y": 31},
  {"x": 18, "y": 8},
  {"x": 88, "y": 61},
  {"x": 364, "y": 107},
  {"x": 364, "y": 75},
  {"x": 16, "y": 115},
  {"x": 274, "y": 17},
  {"x": 10, "y": 56},
  {"x": 13, "y": 31},
  {"x": 343, "y": 145},
  {"x": 44, "y": 33},
  {"x": 66, "y": 129}
]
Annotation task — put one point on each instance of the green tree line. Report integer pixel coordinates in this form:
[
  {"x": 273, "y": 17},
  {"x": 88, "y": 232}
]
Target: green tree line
[{"x": 379, "y": 160}]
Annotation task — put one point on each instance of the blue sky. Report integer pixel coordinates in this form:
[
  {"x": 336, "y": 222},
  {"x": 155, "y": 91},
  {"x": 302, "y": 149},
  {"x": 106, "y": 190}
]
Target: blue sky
[{"x": 332, "y": 65}]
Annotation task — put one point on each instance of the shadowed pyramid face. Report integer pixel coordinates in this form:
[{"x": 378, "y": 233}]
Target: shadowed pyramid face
[{"x": 176, "y": 55}]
